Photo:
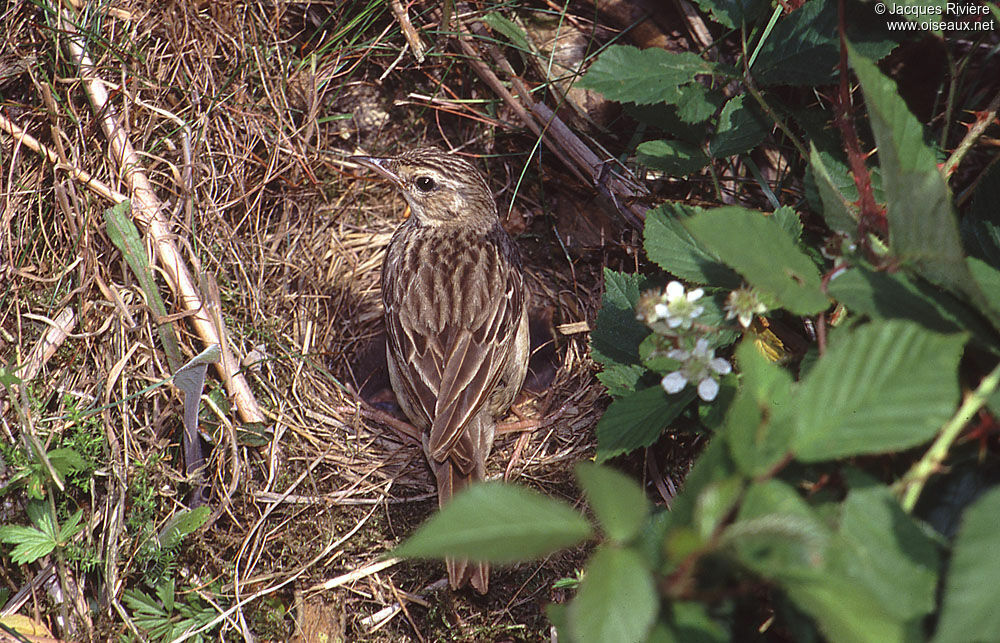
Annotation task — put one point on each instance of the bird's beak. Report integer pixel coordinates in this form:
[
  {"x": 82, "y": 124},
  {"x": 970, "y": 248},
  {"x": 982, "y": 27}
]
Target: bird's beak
[{"x": 380, "y": 165}]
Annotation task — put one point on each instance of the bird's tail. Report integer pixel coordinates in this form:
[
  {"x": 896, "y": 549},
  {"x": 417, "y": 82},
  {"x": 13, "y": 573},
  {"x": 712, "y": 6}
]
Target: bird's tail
[{"x": 451, "y": 480}]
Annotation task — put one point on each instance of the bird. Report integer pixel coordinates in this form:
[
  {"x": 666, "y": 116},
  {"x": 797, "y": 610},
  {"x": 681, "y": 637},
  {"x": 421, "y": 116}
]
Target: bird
[{"x": 456, "y": 316}]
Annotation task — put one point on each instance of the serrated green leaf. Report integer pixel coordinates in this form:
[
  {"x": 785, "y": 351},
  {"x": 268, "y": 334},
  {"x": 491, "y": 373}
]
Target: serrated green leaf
[
  {"x": 804, "y": 48},
  {"x": 139, "y": 601},
  {"x": 839, "y": 211},
  {"x": 70, "y": 528},
  {"x": 620, "y": 379},
  {"x": 165, "y": 592},
  {"x": 630, "y": 75},
  {"x": 968, "y": 611},
  {"x": 789, "y": 221},
  {"x": 698, "y": 103},
  {"x": 923, "y": 229},
  {"x": 497, "y": 523},
  {"x": 740, "y": 129},
  {"x": 677, "y": 158},
  {"x": 66, "y": 460},
  {"x": 29, "y": 543},
  {"x": 881, "y": 547},
  {"x": 617, "y": 332},
  {"x": 756, "y": 247},
  {"x": 617, "y": 599},
  {"x": 668, "y": 243},
  {"x": 731, "y": 14},
  {"x": 884, "y": 295},
  {"x": 618, "y": 503},
  {"x": 887, "y": 386},
  {"x": 636, "y": 420},
  {"x": 40, "y": 516}
]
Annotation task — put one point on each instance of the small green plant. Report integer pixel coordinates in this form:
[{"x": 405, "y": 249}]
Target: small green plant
[
  {"x": 44, "y": 536},
  {"x": 166, "y": 617}
]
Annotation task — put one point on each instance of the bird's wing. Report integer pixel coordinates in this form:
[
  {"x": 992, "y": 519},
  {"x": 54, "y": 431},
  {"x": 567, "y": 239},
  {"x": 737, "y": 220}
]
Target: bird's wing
[
  {"x": 450, "y": 350},
  {"x": 473, "y": 366}
]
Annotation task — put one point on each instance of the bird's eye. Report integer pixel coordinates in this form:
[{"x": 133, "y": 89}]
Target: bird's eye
[{"x": 425, "y": 183}]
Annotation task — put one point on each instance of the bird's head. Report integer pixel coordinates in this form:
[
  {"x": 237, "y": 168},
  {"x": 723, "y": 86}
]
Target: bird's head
[{"x": 441, "y": 189}]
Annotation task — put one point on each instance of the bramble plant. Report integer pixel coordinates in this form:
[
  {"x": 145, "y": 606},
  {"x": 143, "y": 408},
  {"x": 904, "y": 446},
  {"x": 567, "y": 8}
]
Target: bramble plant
[{"x": 835, "y": 482}]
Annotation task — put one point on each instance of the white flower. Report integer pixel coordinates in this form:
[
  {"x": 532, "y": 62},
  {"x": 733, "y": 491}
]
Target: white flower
[
  {"x": 743, "y": 304},
  {"x": 674, "y": 382},
  {"x": 708, "y": 389},
  {"x": 697, "y": 365},
  {"x": 680, "y": 307}
]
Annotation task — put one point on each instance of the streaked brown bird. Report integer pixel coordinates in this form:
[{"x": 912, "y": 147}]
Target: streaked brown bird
[{"x": 456, "y": 319}]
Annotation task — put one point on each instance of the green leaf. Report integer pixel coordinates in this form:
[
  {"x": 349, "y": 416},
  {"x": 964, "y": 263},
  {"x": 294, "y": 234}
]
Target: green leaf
[
  {"x": 66, "y": 460},
  {"x": 509, "y": 29},
  {"x": 40, "y": 516},
  {"x": 839, "y": 211},
  {"x": 617, "y": 501},
  {"x": 969, "y": 608},
  {"x": 885, "y": 387},
  {"x": 881, "y": 547},
  {"x": 698, "y": 103},
  {"x": 740, "y": 129},
  {"x": 125, "y": 236},
  {"x": 497, "y": 523},
  {"x": 981, "y": 223},
  {"x": 676, "y": 158},
  {"x": 883, "y": 295},
  {"x": 789, "y": 221},
  {"x": 804, "y": 49},
  {"x": 140, "y": 602},
  {"x": 801, "y": 49},
  {"x": 636, "y": 420},
  {"x": 767, "y": 257},
  {"x": 617, "y": 332},
  {"x": 844, "y": 611},
  {"x": 731, "y": 14},
  {"x": 617, "y": 600},
  {"x": 757, "y": 429},
  {"x": 714, "y": 504},
  {"x": 988, "y": 279},
  {"x": 776, "y": 532},
  {"x": 630, "y": 75},
  {"x": 691, "y": 622},
  {"x": 165, "y": 592},
  {"x": 180, "y": 525},
  {"x": 923, "y": 229},
  {"x": 671, "y": 246},
  {"x": 30, "y": 543},
  {"x": 712, "y": 466},
  {"x": 70, "y": 528},
  {"x": 620, "y": 379}
]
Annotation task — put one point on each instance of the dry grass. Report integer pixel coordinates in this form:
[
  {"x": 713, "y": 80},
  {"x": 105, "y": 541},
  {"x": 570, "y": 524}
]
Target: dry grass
[{"x": 243, "y": 116}]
